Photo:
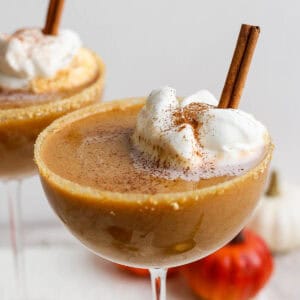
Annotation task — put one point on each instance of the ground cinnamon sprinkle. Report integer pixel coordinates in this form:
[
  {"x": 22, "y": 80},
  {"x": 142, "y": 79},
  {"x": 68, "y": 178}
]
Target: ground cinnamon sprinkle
[{"x": 189, "y": 115}]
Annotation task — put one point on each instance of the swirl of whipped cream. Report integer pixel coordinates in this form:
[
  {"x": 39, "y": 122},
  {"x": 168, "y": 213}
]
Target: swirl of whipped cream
[
  {"x": 193, "y": 134},
  {"x": 28, "y": 54}
]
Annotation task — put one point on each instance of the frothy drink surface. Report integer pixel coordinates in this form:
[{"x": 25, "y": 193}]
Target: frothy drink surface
[
  {"x": 152, "y": 226},
  {"x": 97, "y": 152}
]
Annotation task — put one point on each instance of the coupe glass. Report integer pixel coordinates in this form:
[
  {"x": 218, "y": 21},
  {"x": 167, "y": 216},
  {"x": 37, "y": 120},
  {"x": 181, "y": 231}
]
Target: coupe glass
[
  {"x": 19, "y": 128},
  {"x": 154, "y": 231}
]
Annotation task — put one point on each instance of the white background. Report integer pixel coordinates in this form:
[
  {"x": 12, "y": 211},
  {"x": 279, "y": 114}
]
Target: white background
[{"x": 188, "y": 45}]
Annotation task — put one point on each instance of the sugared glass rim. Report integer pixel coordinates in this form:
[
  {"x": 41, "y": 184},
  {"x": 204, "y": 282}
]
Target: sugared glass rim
[
  {"x": 94, "y": 194},
  {"x": 43, "y": 110}
]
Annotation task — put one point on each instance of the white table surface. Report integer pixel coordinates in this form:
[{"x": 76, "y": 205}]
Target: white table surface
[{"x": 59, "y": 269}]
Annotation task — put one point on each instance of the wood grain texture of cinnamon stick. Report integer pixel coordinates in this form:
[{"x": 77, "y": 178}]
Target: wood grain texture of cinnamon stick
[
  {"x": 239, "y": 67},
  {"x": 54, "y": 14}
]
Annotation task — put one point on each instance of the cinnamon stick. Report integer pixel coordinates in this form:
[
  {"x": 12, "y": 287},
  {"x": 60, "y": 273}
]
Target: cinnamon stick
[
  {"x": 239, "y": 66},
  {"x": 54, "y": 14}
]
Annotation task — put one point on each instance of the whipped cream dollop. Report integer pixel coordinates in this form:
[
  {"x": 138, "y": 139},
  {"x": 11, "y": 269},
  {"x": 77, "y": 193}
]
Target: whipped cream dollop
[
  {"x": 28, "y": 54},
  {"x": 195, "y": 136}
]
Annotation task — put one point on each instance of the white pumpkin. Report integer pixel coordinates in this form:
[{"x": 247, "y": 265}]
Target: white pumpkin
[{"x": 277, "y": 217}]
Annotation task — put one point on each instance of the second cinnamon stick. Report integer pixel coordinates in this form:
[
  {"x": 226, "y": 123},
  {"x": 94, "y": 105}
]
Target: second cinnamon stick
[{"x": 53, "y": 17}]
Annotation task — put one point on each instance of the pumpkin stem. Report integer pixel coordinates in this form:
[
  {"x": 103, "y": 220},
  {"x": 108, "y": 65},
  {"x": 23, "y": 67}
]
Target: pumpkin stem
[
  {"x": 240, "y": 238},
  {"x": 273, "y": 189}
]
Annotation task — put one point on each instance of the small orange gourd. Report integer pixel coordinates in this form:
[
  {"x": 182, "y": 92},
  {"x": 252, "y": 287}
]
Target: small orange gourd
[{"x": 235, "y": 272}]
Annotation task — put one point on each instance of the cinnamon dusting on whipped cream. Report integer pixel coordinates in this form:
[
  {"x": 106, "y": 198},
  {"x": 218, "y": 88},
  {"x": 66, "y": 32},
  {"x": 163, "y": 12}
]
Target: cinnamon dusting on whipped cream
[
  {"x": 28, "y": 54},
  {"x": 192, "y": 138},
  {"x": 189, "y": 115}
]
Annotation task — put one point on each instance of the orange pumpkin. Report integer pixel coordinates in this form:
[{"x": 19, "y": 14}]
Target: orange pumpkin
[
  {"x": 145, "y": 272},
  {"x": 235, "y": 272}
]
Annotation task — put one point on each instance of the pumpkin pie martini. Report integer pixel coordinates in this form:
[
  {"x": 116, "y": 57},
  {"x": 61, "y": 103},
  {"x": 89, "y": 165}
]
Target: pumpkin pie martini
[
  {"x": 154, "y": 182},
  {"x": 44, "y": 74},
  {"x": 42, "y": 77},
  {"x": 157, "y": 182}
]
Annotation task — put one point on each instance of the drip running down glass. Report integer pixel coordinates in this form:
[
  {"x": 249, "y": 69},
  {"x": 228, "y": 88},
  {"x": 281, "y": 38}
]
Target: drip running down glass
[{"x": 127, "y": 215}]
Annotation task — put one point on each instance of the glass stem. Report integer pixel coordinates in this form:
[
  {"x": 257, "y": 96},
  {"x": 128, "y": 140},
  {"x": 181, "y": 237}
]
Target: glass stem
[
  {"x": 158, "y": 283},
  {"x": 13, "y": 190}
]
